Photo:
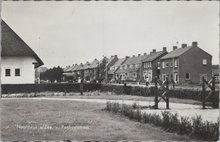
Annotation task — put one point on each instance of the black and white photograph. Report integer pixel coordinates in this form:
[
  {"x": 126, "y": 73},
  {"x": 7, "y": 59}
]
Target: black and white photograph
[{"x": 109, "y": 70}]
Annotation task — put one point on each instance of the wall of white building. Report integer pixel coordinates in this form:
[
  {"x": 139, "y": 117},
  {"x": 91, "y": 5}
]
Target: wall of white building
[{"x": 26, "y": 66}]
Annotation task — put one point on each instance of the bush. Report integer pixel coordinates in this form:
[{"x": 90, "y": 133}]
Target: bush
[
  {"x": 194, "y": 127},
  {"x": 57, "y": 87},
  {"x": 145, "y": 91}
]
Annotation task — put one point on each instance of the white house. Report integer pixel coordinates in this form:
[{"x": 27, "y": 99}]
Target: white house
[{"x": 18, "y": 60}]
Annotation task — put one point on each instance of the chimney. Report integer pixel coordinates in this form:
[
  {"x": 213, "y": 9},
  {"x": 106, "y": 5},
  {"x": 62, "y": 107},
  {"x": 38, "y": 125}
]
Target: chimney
[
  {"x": 116, "y": 56},
  {"x": 194, "y": 44},
  {"x": 184, "y": 45},
  {"x": 145, "y": 53},
  {"x": 154, "y": 50},
  {"x": 111, "y": 56},
  {"x": 164, "y": 49},
  {"x": 133, "y": 56},
  {"x": 126, "y": 57},
  {"x": 174, "y": 47},
  {"x": 139, "y": 54}
]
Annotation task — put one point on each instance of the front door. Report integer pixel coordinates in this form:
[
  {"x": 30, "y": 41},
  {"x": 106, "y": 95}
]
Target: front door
[{"x": 176, "y": 77}]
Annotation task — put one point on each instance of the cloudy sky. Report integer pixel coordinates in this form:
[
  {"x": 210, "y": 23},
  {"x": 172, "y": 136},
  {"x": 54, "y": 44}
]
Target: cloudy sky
[{"x": 65, "y": 33}]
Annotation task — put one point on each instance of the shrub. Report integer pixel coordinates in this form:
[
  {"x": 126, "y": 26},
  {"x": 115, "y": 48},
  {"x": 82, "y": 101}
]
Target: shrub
[
  {"x": 57, "y": 87},
  {"x": 184, "y": 126},
  {"x": 145, "y": 91},
  {"x": 194, "y": 127}
]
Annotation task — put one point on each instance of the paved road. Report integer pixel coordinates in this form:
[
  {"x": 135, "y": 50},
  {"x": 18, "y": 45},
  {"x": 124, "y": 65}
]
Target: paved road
[{"x": 181, "y": 109}]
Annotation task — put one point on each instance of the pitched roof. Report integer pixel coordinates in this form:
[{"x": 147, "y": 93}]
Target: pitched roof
[
  {"x": 176, "y": 52},
  {"x": 127, "y": 70},
  {"x": 110, "y": 63},
  {"x": 119, "y": 62},
  {"x": 153, "y": 56},
  {"x": 135, "y": 60},
  {"x": 66, "y": 68},
  {"x": 13, "y": 45},
  {"x": 86, "y": 65},
  {"x": 71, "y": 68},
  {"x": 116, "y": 65},
  {"x": 80, "y": 67},
  {"x": 94, "y": 64}
]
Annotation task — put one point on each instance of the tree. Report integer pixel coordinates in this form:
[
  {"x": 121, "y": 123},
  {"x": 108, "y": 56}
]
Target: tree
[
  {"x": 52, "y": 74},
  {"x": 102, "y": 70}
]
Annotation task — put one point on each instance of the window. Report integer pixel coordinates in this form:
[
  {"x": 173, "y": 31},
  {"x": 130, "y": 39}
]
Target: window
[
  {"x": 187, "y": 76},
  {"x": 7, "y": 72},
  {"x": 204, "y": 61},
  {"x": 167, "y": 64},
  {"x": 163, "y": 64},
  {"x": 171, "y": 64},
  {"x": 158, "y": 63},
  {"x": 17, "y": 72},
  {"x": 149, "y": 64},
  {"x": 175, "y": 63}
]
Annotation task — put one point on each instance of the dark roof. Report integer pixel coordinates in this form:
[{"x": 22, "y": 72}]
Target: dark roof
[
  {"x": 127, "y": 70},
  {"x": 80, "y": 67},
  {"x": 86, "y": 66},
  {"x": 13, "y": 45},
  {"x": 66, "y": 69},
  {"x": 94, "y": 64},
  {"x": 176, "y": 52},
  {"x": 154, "y": 56},
  {"x": 110, "y": 63},
  {"x": 135, "y": 60},
  {"x": 119, "y": 62},
  {"x": 116, "y": 65}
]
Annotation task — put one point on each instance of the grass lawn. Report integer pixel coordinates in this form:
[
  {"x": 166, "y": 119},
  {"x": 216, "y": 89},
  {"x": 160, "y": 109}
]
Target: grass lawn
[{"x": 70, "y": 120}]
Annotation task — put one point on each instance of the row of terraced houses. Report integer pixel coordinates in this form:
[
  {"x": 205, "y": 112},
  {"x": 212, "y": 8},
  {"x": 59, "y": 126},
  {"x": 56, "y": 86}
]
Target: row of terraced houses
[{"x": 186, "y": 64}]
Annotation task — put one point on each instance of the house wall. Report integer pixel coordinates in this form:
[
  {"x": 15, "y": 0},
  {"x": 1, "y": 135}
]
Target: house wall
[
  {"x": 26, "y": 66},
  {"x": 169, "y": 71},
  {"x": 192, "y": 62}
]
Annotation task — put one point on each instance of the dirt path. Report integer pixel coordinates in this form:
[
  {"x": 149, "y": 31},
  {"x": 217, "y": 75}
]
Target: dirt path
[{"x": 182, "y": 109}]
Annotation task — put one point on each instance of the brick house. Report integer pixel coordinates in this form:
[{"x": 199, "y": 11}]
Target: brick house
[
  {"x": 79, "y": 70},
  {"x": 187, "y": 64},
  {"x": 110, "y": 63},
  {"x": 151, "y": 65},
  {"x": 68, "y": 72},
  {"x": 130, "y": 70},
  {"x": 112, "y": 70},
  {"x": 86, "y": 69}
]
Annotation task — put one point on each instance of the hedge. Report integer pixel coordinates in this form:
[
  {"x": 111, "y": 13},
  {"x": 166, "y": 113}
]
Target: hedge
[
  {"x": 194, "y": 127},
  {"x": 57, "y": 87},
  {"x": 145, "y": 91}
]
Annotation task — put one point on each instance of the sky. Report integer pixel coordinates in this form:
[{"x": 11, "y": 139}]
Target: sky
[{"x": 69, "y": 32}]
